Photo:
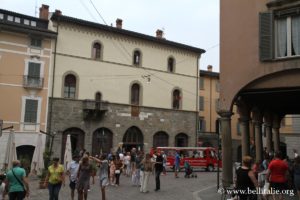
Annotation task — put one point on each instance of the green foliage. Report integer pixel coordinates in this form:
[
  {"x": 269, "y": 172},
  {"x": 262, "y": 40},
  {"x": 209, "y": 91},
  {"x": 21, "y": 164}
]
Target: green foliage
[{"x": 47, "y": 157}]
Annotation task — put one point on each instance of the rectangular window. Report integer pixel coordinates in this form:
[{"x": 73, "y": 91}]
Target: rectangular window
[
  {"x": 1, "y": 16},
  {"x": 33, "y": 23},
  {"x": 26, "y": 21},
  {"x": 36, "y": 42},
  {"x": 201, "y": 103},
  {"x": 10, "y": 18},
  {"x": 201, "y": 83},
  {"x": 17, "y": 19},
  {"x": 202, "y": 124},
  {"x": 34, "y": 69},
  {"x": 31, "y": 108}
]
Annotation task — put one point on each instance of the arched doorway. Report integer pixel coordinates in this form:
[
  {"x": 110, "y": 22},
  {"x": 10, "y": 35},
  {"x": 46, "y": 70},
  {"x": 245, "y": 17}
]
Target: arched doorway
[
  {"x": 25, "y": 154},
  {"x": 133, "y": 137},
  {"x": 102, "y": 141},
  {"x": 160, "y": 139},
  {"x": 77, "y": 140},
  {"x": 181, "y": 140}
]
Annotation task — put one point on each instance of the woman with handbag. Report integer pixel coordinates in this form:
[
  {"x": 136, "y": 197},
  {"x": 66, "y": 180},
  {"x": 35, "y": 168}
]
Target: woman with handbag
[
  {"x": 16, "y": 182},
  {"x": 119, "y": 166}
]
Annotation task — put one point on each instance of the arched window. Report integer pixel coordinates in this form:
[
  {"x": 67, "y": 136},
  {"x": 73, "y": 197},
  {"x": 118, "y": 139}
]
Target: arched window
[
  {"x": 135, "y": 94},
  {"x": 70, "y": 86},
  {"x": 160, "y": 139},
  {"x": 98, "y": 97},
  {"x": 137, "y": 58},
  {"x": 171, "y": 65},
  {"x": 176, "y": 99},
  {"x": 181, "y": 140},
  {"x": 96, "y": 52}
]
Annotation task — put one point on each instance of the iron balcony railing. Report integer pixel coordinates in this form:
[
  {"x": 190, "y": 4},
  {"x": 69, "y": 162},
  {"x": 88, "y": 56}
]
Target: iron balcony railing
[{"x": 33, "y": 82}]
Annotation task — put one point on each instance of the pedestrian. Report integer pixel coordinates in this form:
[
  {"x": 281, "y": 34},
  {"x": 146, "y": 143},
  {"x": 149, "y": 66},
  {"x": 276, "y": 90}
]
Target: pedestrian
[
  {"x": 55, "y": 179},
  {"x": 138, "y": 161},
  {"x": 176, "y": 164},
  {"x": 119, "y": 167},
  {"x": 146, "y": 168},
  {"x": 296, "y": 172},
  {"x": 72, "y": 172},
  {"x": 127, "y": 164},
  {"x": 103, "y": 173},
  {"x": 246, "y": 180},
  {"x": 83, "y": 178},
  {"x": 2, "y": 187},
  {"x": 277, "y": 173},
  {"x": 158, "y": 169},
  {"x": 16, "y": 183},
  {"x": 133, "y": 160},
  {"x": 164, "y": 162},
  {"x": 112, "y": 168}
]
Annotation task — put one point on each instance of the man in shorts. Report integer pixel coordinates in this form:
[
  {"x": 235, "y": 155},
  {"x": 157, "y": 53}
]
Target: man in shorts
[{"x": 72, "y": 172}]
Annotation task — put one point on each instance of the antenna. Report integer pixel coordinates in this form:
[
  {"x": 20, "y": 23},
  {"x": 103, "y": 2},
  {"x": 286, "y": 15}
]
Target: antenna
[{"x": 35, "y": 9}]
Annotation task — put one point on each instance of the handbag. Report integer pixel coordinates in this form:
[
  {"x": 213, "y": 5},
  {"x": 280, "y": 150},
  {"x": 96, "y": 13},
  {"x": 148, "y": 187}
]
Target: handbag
[
  {"x": 24, "y": 192},
  {"x": 117, "y": 171}
]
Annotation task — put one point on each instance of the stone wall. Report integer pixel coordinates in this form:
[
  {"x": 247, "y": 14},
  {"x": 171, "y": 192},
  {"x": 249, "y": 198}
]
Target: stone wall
[{"x": 68, "y": 113}]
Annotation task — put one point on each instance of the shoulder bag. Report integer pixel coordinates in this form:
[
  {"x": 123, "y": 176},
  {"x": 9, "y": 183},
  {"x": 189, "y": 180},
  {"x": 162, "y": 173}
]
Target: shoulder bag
[{"x": 20, "y": 182}]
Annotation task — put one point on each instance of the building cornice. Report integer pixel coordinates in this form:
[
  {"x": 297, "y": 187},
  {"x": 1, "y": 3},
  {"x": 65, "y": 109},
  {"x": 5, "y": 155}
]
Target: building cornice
[
  {"x": 209, "y": 73},
  {"x": 62, "y": 18}
]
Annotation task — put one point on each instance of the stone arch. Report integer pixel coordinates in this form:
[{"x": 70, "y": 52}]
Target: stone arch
[
  {"x": 102, "y": 141},
  {"x": 160, "y": 139},
  {"x": 77, "y": 140},
  {"x": 133, "y": 137},
  {"x": 181, "y": 140}
]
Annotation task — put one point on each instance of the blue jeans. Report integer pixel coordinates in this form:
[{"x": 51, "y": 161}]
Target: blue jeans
[{"x": 54, "y": 191}]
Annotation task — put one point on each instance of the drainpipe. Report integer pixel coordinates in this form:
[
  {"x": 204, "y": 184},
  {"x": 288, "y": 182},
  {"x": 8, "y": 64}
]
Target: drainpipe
[
  {"x": 52, "y": 89},
  {"x": 197, "y": 101}
]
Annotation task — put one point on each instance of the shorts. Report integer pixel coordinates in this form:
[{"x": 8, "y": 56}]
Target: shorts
[
  {"x": 72, "y": 185},
  {"x": 104, "y": 182},
  {"x": 278, "y": 186}
]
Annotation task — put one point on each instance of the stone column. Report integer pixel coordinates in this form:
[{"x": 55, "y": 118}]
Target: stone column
[
  {"x": 227, "y": 175},
  {"x": 268, "y": 125},
  {"x": 244, "y": 123},
  {"x": 276, "y": 127},
  {"x": 257, "y": 120},
  {"x": 244, "y": 113}
]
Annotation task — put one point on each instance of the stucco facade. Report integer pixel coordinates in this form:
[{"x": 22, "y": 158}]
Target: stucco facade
[
  {"x": 25, "y": 59},
  {"x": 112, "y": 75}
]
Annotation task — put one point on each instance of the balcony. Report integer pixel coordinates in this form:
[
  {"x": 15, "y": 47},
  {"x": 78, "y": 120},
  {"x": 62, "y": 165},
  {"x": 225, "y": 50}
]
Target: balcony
[
  {"x": 33, "y": 82},
  {"x": 93, "y": 110}
]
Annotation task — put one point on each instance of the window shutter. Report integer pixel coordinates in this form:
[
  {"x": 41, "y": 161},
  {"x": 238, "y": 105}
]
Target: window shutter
[
  {"x": 266, "y": 36},
  {"x": 34, "y": 70},
  {"x": 31, "y": 111}
]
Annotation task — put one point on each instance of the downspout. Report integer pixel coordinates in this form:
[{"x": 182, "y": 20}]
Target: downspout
[
  {"x": 197, "y": 101},
  {"x": 52, "y": 89}
]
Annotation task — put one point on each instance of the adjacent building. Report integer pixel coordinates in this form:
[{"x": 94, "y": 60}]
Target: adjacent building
[
  {"x": 25, "y": 59},
  {"x": 114, "y": 87},
  {"x": 259, "y": 73}
]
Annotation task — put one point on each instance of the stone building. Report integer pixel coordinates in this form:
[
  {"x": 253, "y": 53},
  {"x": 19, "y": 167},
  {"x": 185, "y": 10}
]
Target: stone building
[
  {"x": 259, "y": 72},
  {"x": 117, "y": 87},
  {"x": 25, "y": 54}
]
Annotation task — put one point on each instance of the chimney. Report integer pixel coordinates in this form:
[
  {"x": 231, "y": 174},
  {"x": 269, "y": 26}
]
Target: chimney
[
  {"x": 209, "y": 68},
  {"x": 119, "y": 23},
  {"x": 159, "y": 34},
  {"x": 44, "y": 12},
  {"x": 57, "y": 12}
]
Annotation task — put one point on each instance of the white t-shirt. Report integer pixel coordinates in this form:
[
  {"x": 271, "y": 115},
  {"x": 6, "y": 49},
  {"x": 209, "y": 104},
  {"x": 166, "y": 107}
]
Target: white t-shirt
[
  {"x": 2, "y": 188},
  {"x": 127, "y": 160},
  {"x": 73, "y": 169}
]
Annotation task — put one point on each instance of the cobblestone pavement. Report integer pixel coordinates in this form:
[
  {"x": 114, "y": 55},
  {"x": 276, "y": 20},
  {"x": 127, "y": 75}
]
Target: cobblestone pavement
[{"x": 171, "y": 188}]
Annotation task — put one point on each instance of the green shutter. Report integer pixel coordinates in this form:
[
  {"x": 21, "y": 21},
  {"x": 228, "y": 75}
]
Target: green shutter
[
  {"x": 34, "y": 69},
  {"x": 266, "y": 36},
  {"x": 31, "y": 111}
]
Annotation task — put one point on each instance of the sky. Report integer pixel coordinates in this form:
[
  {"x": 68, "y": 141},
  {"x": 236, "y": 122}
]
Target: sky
[{"x": 191, "y": 22}]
